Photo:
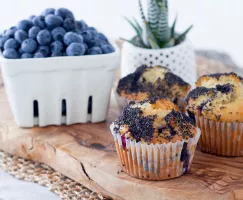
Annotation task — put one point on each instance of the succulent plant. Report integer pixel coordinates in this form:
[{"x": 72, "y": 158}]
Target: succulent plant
[{"x": 155, "y": 32}]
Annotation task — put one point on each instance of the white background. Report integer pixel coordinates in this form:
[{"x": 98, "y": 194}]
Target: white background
[{"x": 218, "y": 24}]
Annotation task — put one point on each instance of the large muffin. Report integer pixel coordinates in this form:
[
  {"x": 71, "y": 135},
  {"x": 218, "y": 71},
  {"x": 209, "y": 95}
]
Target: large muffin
[
  {"x": 148, "y": 82},
  {"x": 151, "y": 130},
  {"x": 217, "y": 106}
]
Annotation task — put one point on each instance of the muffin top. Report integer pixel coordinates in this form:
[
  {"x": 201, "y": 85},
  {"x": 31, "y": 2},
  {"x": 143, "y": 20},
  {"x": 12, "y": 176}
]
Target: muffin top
[
  {"x": 154, "y": 121},
  {"x": 147, "y": 82},
  {"x": 217, "y": 97}
]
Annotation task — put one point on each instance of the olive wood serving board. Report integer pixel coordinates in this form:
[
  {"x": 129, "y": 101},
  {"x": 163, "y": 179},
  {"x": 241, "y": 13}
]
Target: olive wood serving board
[{"x": 86, "y": 154}]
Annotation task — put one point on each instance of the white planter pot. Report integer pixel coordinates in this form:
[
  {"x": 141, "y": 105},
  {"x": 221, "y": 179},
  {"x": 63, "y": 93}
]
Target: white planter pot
[
  {"x": 49, "y": 82},
  {"x": 180, "y": 59}
]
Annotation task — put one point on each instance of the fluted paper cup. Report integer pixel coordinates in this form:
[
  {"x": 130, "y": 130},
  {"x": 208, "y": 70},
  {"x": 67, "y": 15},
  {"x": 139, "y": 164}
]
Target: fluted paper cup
[
  {"x": 220, "y": 138},
  {"x": 155, "y": 161}
]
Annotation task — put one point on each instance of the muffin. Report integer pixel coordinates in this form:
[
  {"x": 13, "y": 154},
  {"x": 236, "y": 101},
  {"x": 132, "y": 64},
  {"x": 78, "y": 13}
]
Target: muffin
[
  {"x": 217, "y": 106},
  {"x": 148, "y": 82},
  {"x": 154, "y": 140}
]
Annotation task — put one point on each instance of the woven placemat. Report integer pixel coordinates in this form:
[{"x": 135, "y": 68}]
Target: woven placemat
[{"x": 28, "y": 170}]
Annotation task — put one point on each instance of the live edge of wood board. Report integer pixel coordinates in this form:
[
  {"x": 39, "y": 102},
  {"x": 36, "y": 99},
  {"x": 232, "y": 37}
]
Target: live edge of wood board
[{"x": 86, "y": 154}]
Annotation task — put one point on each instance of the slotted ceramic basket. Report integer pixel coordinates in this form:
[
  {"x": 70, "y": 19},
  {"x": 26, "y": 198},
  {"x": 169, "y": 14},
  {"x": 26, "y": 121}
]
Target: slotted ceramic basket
[
  {"x": 59, "y": 90},
  {"x": 180, "y": 59}
]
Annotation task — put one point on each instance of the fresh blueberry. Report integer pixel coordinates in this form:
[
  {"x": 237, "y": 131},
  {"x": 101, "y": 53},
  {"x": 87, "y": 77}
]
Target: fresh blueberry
[
  {"x": 20, "y": 51},
  {"x": 38, "y": 55},
  {"x": 26, "y": 55},
  {"x": 102, "y": 37},
  {"x": 69, "y": 24},
  {"x": 33, "y": 32},
  {"x": 48, "y": 11},
  {"x": 71, "y": 37},
  {"x": 24, "y": 25},
  {"x": 31, "y": 17},
  {"x": 10, "y": 54},
  {"x": 75, "y": 49},
  {"x": 20, "y": 36},
  {"x": 64, "y": 13},
  {"x": 44, "y": 50},
  {"x": 44, "y": 37},
  {"x": 87, "y": 35},
  {"x": 11, "y": 44},
  {"x": 103, "y": 42},
  {"x": 53, "y": 21},
  {"x": 94, "y": 51},
  {"x": 95, "y": 42},
  {"x": 28, "y": 45},
  {"x": 58, "y": 54},
  {"x": 57, "y": 47},
  {"x": 86, "y": 47},
  {"x": 107, "y": 49},
  {"x": 10, "y": 32},
  {"x": 58, "y": 33},
  {"x": 92, "y": 28},
  {"x": 39, "y": 21},
  {"x": 94, "y": 33},
  {"x": 3, "y": 39},
  {"x": 79, "y": 26}
]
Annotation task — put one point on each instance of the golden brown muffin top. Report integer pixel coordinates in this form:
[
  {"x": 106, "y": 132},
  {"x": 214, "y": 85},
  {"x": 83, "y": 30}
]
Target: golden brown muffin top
[
  {"x": 147, "y": 82},
  {"x": 154, "y": 121},
  {"x": 217, "y": 97}
]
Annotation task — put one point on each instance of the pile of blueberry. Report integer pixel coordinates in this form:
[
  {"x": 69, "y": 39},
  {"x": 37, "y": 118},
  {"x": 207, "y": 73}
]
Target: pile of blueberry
[{"x": 53, "y": 33}]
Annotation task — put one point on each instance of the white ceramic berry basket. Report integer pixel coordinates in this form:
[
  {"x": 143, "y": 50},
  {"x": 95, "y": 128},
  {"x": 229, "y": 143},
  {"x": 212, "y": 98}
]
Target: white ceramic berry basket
[
  {"x": 180, "y": 59},
  {"x": 49, "y": 84}
]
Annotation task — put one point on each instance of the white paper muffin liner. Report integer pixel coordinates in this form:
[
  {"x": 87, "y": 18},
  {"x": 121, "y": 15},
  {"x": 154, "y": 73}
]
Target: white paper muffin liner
[
  {"x": 220, "y": 138},
  {"x": 155, "y": 161},
  {"x": 123, "y": 102}
]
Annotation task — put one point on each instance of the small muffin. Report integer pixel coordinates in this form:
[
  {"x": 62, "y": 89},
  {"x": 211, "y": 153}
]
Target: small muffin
[
  {"x": 148, "y": 82},
  {"x": 154, "y": 140},
  {"x": 217, "y": 106}
]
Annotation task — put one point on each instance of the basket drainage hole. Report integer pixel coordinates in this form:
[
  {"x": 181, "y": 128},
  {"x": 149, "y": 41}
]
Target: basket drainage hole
[
  {"x": 35, "y": 108},
  {"x": 90, "y": 105},
  {"x": 64, "y": 108}
]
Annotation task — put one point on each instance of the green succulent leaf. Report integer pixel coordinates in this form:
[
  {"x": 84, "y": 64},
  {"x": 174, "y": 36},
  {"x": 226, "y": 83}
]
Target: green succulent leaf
[
  {"x": 135, "y": 41},
  {"x": 137, "y": 29},
  {"x": 165, "y": 3},
  {"x": 141, "y": 10},
  {"x": 155, "y": 32},
  {"x": 173, "y": 28},
  {"x": 153, "y": 15},
  {"x": 133, "y": 25},
  {"x": 151, "y": 38},
  {"x": 162, "y": 4},
  {"x": 138, "y": 25},
  {"x": 144, "y": 35},
  {"x": 138, "y": 42},
  {"x": 163, "y": 27},
  {"x": 182, "y": 36}
]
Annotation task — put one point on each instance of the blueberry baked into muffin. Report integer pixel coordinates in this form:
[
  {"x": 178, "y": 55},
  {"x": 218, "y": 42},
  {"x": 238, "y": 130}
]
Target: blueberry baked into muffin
[
  {"x": 154, "y": 140},
  {"x": 148, "y": 82},
  {"x": 217, "y": 106}
]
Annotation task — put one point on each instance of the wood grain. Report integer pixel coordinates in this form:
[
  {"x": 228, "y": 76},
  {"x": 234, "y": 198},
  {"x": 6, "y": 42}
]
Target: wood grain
[{"x": 86, "y": 153}]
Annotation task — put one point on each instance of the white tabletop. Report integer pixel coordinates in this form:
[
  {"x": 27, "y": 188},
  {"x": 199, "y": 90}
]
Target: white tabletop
[{"x": 14, "y": 189}]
